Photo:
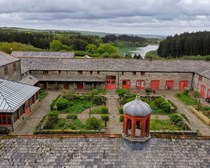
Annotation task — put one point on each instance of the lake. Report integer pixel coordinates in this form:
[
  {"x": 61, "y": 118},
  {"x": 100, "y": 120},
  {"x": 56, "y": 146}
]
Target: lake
[{"x": 143, "y": 50}]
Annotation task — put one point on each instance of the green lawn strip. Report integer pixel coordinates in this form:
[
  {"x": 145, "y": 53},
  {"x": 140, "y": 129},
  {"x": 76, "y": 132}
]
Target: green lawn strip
[
  {"x": 188, "y": 100},
  {"x": 96, "y": 110},
  {"x": 77, "y": 106},
  {"x": 157, "y": 124},
  {"x": 42, "y": 94}
]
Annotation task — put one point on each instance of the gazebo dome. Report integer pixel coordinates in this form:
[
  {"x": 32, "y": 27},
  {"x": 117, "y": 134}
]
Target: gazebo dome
[{"x": 137, "y": 108}]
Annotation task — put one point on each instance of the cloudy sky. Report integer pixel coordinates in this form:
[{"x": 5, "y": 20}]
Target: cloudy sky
[{"x": 161, "y": 17}]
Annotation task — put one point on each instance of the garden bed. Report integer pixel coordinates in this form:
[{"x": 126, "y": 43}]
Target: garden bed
[{"x": 187, "y": 99}]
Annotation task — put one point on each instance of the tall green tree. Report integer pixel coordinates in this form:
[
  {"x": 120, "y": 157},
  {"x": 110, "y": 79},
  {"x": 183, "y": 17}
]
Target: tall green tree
[
  {"x": 107, "y": 48},
  {"x": 91, "y": 48},
  {"x": 56, "y": 45}
]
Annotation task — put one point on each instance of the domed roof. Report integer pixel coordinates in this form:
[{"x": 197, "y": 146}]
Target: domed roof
[{"x": 137, "y": 108}]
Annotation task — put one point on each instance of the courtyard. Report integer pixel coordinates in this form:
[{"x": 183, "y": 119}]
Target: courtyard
[{"x": 160, "y": 121}]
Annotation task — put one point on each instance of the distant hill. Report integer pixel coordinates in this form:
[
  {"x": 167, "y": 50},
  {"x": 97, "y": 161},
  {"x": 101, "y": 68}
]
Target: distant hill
[{"x": 100, "y": 34}]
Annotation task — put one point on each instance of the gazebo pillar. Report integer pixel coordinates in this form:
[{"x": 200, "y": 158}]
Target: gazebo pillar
[
  {"x": 147, "y": 126},
  {"x": 143, "y": 125},
  {"x": 125, "y": 125},
  {"x": 133, "y": 129}
]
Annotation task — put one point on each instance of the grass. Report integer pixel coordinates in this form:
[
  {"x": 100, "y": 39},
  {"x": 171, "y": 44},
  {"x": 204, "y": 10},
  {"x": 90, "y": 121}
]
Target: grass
[
  {"x": 77, "y": 107},
  {"x": 157, "y": 124},
  {"x": 96, "y": 110},
  {"x": 187, "y": 99},
  {"x": 42, "y": 94}
]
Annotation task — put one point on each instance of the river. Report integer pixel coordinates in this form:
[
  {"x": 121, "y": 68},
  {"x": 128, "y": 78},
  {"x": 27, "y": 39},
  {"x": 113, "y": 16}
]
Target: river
[{"x": 143, "y": 50}]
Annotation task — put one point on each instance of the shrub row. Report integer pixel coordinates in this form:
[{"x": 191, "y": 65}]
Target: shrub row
[{"x": 52, "y": 106}]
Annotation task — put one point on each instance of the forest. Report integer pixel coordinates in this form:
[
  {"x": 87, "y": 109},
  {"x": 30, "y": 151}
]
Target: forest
[
  {"x": 93, "y": 45},
  {"x": 186, "y": 44}
]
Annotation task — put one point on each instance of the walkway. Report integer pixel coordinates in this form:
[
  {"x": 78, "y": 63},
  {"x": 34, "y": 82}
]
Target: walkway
[
  {"x": 195, "y": 122},
  {"x": 114, "y": 126},
  {"x": 28, "y": 125}
]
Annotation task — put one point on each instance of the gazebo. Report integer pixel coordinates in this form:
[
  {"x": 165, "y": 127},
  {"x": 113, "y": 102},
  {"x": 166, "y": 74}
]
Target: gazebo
[{"x": 137, "y": 116}]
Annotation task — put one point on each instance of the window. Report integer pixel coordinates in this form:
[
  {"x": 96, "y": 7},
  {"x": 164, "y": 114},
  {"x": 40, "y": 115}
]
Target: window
[
  {"x": 98, "y": 72},
  {"x": 199, "y": 78},
  {"x": 59, "y": 72},
  {"x": 6, "y": 70},
  {"x": 122, "y": 73},
  {"x": 110, "y": 77},
  {"x": 124, "y": 82},
  {"x": 14, "y": 67},
  {"x": 80, "y": 72},
  {"x": 45, "y": 72},
  {"x": 91, "y": 72},
  {"x": 142, "y": 73},
  {"x": 5, "y": 119},
  {"x": 134, "y": 73}
]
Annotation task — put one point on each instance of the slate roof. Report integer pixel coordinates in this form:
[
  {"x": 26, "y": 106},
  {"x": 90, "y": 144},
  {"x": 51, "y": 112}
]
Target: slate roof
[
  {"x": 13, "y": 95},
  {"x": 78, "y": 78},
  {"x": 117, "y": 65},
  {"x": 29, "y": 80},
  {"x": 6, "y": 58},
  {"x": 35, "y": 54}
]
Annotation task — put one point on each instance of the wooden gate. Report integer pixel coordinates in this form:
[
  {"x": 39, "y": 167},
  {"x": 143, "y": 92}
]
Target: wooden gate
[
  {"x": 169, "y": 85},
  {"x": 155, "y": 84},
  {"x": 126, "y": 84},
  {"x": 202, "y": 91},
  {"x": 110, "y": 82},
  {"x": 183, "y": 84}
]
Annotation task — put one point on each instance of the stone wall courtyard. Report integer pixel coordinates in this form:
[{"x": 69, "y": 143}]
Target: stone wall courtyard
[{"x": 102, "y": 152}]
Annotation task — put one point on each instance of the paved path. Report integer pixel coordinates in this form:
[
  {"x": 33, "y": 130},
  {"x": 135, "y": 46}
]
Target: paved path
[
  {"x": 114, "y": 126},
  {"x": 28, "y": 125},
  {"x": 195, "y": 122}
]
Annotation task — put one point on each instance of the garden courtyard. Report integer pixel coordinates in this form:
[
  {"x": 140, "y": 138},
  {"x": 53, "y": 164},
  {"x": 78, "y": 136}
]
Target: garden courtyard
[{"x": 100, "y": 111}]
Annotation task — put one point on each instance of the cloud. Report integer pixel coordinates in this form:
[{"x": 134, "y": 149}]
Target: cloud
[{"x": 133, "y": 16}]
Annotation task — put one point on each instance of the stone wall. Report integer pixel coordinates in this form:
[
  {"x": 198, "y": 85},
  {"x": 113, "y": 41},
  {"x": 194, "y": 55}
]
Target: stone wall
[{"x": 12, "y": 75}]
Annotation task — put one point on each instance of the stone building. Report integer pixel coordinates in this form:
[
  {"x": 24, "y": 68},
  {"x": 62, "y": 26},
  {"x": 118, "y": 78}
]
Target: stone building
[{"x": 119, "y": 73}]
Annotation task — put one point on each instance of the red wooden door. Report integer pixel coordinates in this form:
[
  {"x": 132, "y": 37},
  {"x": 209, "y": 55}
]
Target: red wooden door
[
  {"x": 110, "y": 82},
  {"x": 169, "y": 85},
  {"x": 66, "y": 86},
  {"x": 80, "y": 85},
  {"x": 140, "y": 84},
  {"x": 126, "y": 84},
  {"x": 155, "y": 84},
  {"x": 27, "y": 106},
  {"x": 183, "y": 84},
  {"x": 202, "y": 91}
]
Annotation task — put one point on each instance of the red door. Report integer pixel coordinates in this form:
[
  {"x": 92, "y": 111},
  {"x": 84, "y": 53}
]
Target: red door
[
  {"x": 27, "y": 106},
  {"x": 202, "y": 91},
  {"x": 80, "y": 85},
  {"x": 110, "y": 82},
  {"x": 140, "y": 84},
  {"x": 126, "y": 84},
  {"x": 66, "y": 86},
  {"x": 155, "y": 84},
  {"x": 208, "y": 93},
  {"x": 183, "y": 84},
  {"x": 169, "y": 85}
]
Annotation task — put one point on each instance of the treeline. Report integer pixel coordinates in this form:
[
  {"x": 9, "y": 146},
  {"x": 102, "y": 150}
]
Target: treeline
[
  {"x": 125, "y": 40},
  {"x": 186, "y": 44}
]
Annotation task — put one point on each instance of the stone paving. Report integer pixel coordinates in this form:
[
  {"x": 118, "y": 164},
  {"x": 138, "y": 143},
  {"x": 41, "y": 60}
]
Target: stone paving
[
  {"x": 114, "y": 126},
  {"x": 28, "y": 125},
  {"x": 102, "y": 152}
]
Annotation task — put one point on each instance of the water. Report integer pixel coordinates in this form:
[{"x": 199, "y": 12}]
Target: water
[{"x": 143, "y": 50}]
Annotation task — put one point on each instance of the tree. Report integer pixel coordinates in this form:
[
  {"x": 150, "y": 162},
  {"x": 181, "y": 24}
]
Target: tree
[
  {"x": 105, "y": 118},
  {"x": 93, "y": 123},
  {"x": 91, "y": 48},
  {"x": 56, "y": 45},
  {"x": 107, "y": 48}
]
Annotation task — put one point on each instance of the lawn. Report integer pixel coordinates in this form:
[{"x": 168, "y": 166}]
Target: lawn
[
  {"x": 157, "y": 124},
  {"x": 77, "y": 106},
  {"x": 187, "y": 99}
]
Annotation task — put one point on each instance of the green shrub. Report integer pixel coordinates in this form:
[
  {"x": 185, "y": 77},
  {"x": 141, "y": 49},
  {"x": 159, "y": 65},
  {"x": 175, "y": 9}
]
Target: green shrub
[
  {"x": 93, "y": 124},
  {"x": 61, "y": 123},
  {"x": 4, "y": 130},
  {"x": 175, "y": 118},
  {"x": 174, "y": 106},
  {"x": 99, "y": 100},
  {"x": 163, "y": 105},
  {"x": 121, "y": 118},
  {"x": 105, "y": 118},
  {"x": 42, "y": 94},
  {"x": 77, "y": 124},
  {"x": 121, "y": 110},
  {"x": 186, "y": 91},
  {"x": 69, "y": 95},
  {"x": 205, "y": 108},
  {"x": 62, "y": 104},
  {"x": 98, "y": 91},
  {"x": 51, "y": 118},
  {"x": 81, "y": 53},
  {"x": 104, "y": 110},
  {"x": 122, "y": 92},
  {"x": 72, "y": 116},
  {"x": 52, "y": 106}
]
